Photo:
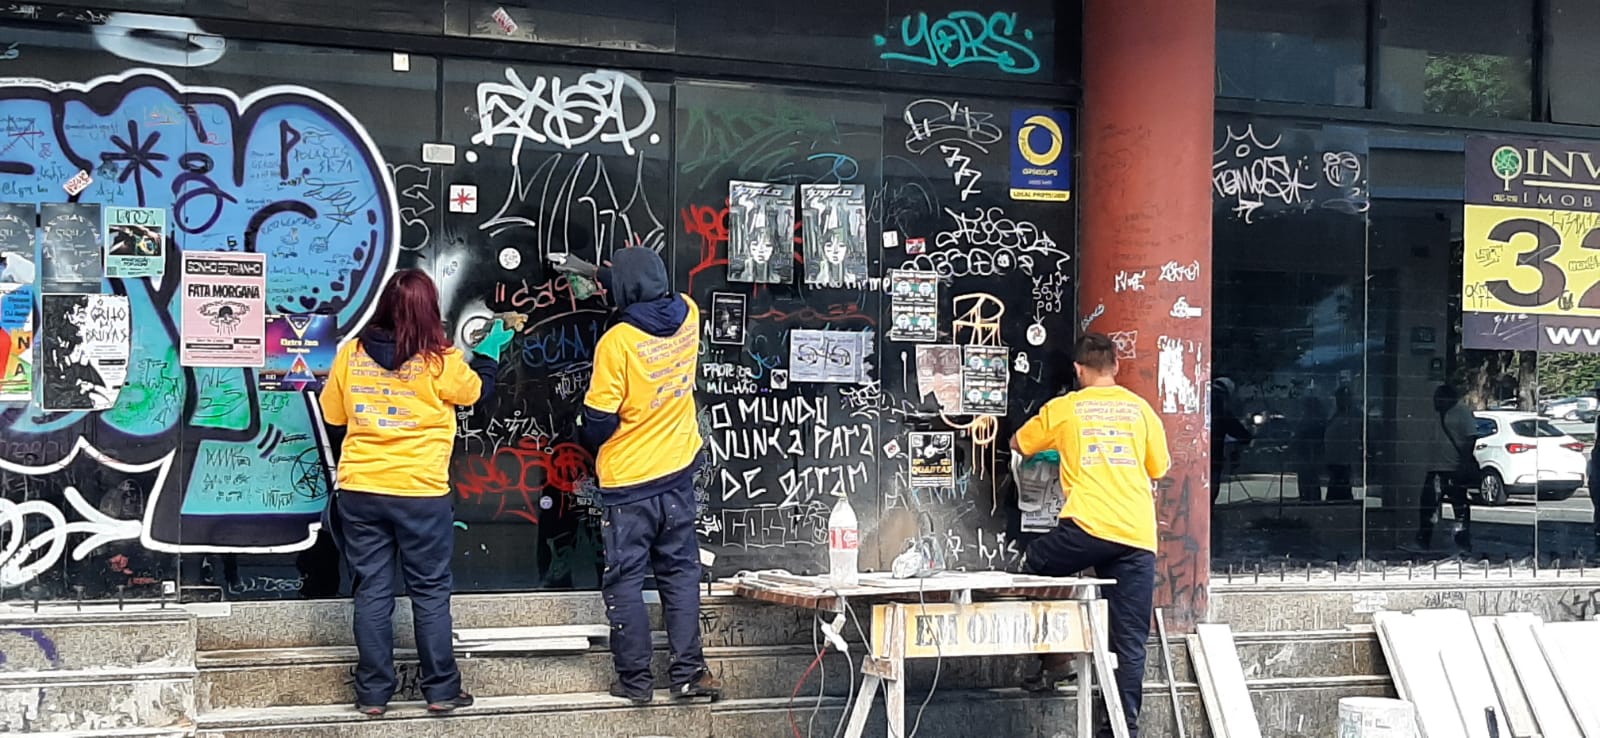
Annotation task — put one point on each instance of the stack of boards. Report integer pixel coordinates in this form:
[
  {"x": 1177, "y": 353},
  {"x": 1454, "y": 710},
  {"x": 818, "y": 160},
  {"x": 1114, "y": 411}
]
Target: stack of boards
[
  {"x": 535, "y": 640},
  {"x": 1531, "y": 679}
]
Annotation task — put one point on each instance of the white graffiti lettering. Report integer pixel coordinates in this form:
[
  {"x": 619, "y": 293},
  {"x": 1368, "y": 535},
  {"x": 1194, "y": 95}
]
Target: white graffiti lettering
[{"x": 611, "y": 106}]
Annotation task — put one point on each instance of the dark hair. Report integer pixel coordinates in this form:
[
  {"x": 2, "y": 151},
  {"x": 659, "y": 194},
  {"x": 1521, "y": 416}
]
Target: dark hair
[
  {"x": 409, "y": 309},
  {"x": 1096, "y": 352}
]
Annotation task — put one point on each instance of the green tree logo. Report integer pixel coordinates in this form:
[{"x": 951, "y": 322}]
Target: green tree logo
[{"x": 1507, "y": 164}]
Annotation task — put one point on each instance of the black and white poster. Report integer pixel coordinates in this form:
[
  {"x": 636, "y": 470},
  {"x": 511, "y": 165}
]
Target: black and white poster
[
  {"x": 913, "y": 305},
  {"x": 71, "y": 257},
  {"x": 933, "y": 460},
  {"x": 984, "y": 377},
  {"x": 727, "y": 318},
  {"x": 760, "y": 232},
  {"x": 83, "y": 350},
  {"x": 835, "y": 220},
  {"x": 828, "y": 356},
  {"x": 18, "y": 222}
]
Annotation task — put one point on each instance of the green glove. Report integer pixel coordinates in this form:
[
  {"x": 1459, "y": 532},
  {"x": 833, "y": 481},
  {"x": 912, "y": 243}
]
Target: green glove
[
  {"x": 1045, "y": 457},
  {"x": 494, "y": 343}
]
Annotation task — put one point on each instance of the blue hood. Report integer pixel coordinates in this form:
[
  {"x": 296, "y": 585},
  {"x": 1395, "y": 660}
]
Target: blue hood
[
  {"x": 379, "y": 344},
  {"x": 639, "y": 287}
]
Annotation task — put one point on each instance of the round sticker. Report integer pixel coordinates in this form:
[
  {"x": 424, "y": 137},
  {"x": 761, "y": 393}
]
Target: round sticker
[
  {"x": 545, "y": 503},
  {"x": 1036, "y": 334},
  {"x": 510, "y": 258}
]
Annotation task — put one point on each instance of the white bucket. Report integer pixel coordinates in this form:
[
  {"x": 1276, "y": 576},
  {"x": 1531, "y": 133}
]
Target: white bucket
[{"x": 1376, "y": 717}]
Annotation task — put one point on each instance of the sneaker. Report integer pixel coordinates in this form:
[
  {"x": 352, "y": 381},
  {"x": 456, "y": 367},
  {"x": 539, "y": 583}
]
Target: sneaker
[
  {"x": 441, "y": 707},
  {"x": 637, "y": 698},
  {"x": 372, "y": 710},
  {"x": 704, "y": 685}
]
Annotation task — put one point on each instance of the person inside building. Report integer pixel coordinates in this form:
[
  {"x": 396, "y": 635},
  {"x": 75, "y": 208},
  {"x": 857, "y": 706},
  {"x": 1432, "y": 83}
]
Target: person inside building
[
  {"x": 1452, "y": 469},
  {"x": 1229, "y": 435},
  {"x": 639, "y": 420},
  {"x": 1112, "y": 447},
  {"x": 395, "y": 389}
]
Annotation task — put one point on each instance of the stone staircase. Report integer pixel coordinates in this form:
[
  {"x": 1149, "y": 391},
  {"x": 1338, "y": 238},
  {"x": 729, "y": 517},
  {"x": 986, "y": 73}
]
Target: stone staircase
[{"x": 283, "y": 669}]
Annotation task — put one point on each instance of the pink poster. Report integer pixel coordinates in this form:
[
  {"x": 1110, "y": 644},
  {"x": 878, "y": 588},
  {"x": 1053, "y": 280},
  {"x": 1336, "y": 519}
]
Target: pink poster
[{"x": 224, "y": 309}]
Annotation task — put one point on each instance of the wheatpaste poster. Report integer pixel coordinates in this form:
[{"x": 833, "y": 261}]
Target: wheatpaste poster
[{"x": 224, "y": 309}]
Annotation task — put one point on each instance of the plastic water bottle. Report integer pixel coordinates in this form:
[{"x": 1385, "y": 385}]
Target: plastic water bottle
[{"x": 844, "y": 545}]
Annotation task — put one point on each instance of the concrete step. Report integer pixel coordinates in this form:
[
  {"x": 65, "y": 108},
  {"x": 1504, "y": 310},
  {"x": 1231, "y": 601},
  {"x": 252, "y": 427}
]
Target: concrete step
[
  {"x": 1303, "y": 708},
  {"x": 1263, "y": 606},
  {"x": 112, "y": 700},
  {"x": 187, "y": 732},
  {"x": 58, "y": 639}
]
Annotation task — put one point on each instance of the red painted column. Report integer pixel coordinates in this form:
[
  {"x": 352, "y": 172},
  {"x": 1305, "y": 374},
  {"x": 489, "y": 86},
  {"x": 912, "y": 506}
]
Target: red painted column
[{"x": 1145, "y": 246}]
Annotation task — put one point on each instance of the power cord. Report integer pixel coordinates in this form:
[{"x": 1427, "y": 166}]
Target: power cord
[
  {"x": 822, "y": 684},
  {"x": 938, "y": 663}
]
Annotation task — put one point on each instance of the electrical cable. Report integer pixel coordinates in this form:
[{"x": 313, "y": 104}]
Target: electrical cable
[
  {"x": 796, "y": 693},
  {"x": 850, "y": 692},
  {"x": 822, "y": 684},
  {"x": 938, "y": 663}
]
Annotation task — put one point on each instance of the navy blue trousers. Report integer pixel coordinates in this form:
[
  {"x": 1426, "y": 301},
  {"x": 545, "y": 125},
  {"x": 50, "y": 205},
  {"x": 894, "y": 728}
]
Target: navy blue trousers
[
  {"x": 1130, "y": 603},
  {"x": 654, "y": 535},
  {"x": 421, "y": 531}
]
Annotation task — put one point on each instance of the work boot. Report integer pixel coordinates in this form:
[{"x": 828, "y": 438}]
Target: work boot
[
  {"x": 441, "y": 707},
  {"x": 703, "y": 685}
]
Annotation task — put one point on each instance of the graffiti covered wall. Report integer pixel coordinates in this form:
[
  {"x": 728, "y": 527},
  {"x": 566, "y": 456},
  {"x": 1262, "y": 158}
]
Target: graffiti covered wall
[{"x": 479, "y": 172}]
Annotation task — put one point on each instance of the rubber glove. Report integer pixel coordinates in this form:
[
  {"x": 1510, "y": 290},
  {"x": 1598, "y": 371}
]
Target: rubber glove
[
  {"x": 569, "y": 264},
  {"x": 494, "y": 342}
]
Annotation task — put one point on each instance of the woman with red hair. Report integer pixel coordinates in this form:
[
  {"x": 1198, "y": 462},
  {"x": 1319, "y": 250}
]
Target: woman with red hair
[{"x": 395, "y": 389}]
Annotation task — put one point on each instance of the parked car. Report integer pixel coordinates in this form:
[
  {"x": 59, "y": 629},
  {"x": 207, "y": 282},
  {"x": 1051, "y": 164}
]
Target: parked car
[
  {"x": 1569, "y": 408},
  {"x": 1522, "y": 453}
]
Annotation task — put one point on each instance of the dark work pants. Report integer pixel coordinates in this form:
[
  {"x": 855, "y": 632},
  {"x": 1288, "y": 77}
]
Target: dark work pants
[
  {"x": 1130, "y": 603},
  {"x": 421, "y": 530},
  {"x": 654, "y": 535}
]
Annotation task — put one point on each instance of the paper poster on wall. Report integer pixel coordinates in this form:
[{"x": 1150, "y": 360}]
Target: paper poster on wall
[
  {"x": 727, "y": 318},
  {"x": 224, "y": 320},
  {"x": 83, "y": 350},
  {"x": 760, "y": 232},
  {"x": 913, "y": 305},
  {"x": 1041, "y": 155},
  {"x": 933, "y": 460},
  {"x": 18, "y": 223},
  {"x": 984, "y": 376},
  {"x": 828, "y": 356},
  {"x": 71, "y": 259},
  {"x": 939, "y": 374},
  {"x": 835, "y": 225},
  {"x": 136, "y": 242},
  {"x": 16, "y": 343},
  {"x": 300, "y": 350}
]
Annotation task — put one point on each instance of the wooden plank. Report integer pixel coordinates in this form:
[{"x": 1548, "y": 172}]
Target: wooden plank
[
  {"x": 532, "y": 645},
  {"x": 1572, "y": 650},
  {"x": 1517, "y": 719},
  {"x": 1419, "y": 677},
  {"x": 1222, "y": 684},
  {"x": 484, "y": 635},
  {"x": 1451, "y": 632},
  {"x": 1533, "y": 672}
]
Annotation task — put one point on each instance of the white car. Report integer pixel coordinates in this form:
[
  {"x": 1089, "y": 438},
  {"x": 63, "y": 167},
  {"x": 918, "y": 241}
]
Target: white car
[
  {"x": 1570, "y": 408},
  {"x": 1522, "y": 453}
]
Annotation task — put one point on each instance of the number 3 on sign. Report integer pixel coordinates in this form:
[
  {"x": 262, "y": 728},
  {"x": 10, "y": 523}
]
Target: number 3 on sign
[{"x": 1532, "y": 261}]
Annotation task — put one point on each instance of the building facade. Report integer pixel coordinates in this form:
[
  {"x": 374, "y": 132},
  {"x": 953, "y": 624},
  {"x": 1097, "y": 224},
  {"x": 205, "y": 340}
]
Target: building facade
[{"x": 1270, "y": 195}]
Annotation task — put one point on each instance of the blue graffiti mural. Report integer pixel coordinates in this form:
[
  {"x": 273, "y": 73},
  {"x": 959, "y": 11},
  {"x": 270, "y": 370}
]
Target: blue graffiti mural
[
  {"x": 962, "y": 37},
  {"x": 284, "y": 171}
]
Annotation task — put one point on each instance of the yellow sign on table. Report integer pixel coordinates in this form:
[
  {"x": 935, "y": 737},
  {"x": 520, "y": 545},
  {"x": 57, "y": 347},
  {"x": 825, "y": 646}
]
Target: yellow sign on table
[
  {"x": 981, "y": 629},
  {"x": 1531, "y": 261}
]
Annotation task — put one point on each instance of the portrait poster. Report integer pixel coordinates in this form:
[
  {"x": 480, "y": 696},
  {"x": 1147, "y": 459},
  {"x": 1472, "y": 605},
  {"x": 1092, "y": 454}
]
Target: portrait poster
[
  {"x": 984, "y": 377},
  {"x": 728, "y": 318},
  {"x": 939, "y": 374},
  {"x": 224, "y": 317},
  {"x": 18, "y": 225},
  {"x": 760, "y": 233},
  {"x": 835, "y": 227},
  {"x": 83, "y": 350},
  {"x": 828, "y": 356},
  {"x": 933, "y": 460},
  {"x": 71, "y": 259},
  {"x": 913, "y": 305},
  {"x": 300, "y": 350},
  {"x": 16, "y": 342},
  {"x": 136, "y": 242}
]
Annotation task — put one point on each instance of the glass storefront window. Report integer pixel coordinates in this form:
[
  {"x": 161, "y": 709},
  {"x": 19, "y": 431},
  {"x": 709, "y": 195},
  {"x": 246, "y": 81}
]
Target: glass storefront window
[
  {"x": 1312, "y": 52},
  {"x": 1457, "y": 57},
  {"x": 1572, "y": 64}
]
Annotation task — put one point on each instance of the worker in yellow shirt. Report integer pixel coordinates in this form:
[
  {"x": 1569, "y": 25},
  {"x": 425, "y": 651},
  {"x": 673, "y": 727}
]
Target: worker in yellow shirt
[
  {"x": 639, "y": 417},
  {"x": 1112, "y": 448}
]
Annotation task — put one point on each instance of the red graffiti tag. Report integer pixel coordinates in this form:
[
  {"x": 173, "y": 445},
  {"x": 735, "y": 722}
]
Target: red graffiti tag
[{"x": 515, "y": 478}]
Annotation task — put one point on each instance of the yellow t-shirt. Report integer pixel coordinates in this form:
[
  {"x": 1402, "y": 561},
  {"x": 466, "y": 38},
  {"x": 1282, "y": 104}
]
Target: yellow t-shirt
[
  {"x": 402, "y": 424},
  {"x": 648, "y": 381},
  {"x": 1111, "y": 445}
]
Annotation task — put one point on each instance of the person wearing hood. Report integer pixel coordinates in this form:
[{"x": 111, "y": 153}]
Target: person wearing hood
[
  {"x": 640, "y": 421},
  {"x": 395, "y": 390}
]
